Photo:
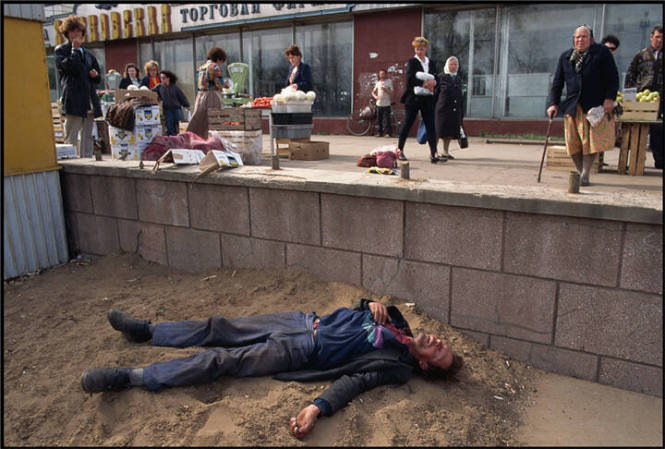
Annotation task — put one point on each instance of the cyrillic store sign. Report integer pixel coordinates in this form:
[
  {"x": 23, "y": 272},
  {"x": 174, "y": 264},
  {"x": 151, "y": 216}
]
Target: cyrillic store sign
[{"x": 124, "y": 21}]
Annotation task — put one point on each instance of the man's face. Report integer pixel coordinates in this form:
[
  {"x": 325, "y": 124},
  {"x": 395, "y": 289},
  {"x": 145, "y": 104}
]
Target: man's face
[
  {"x": 581, "y": 39},
  {"x": 657, "y": 40},
  {"x": 76, "y": 33},
  {"x": 382, "y": 74},
  {"x": 421, "y": 51},
  {"x": 612, "y": 47},
  {"x": 430, "y": 350}
]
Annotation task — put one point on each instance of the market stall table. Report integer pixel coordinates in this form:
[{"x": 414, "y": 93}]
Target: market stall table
[{"x": 634, "y": 145}]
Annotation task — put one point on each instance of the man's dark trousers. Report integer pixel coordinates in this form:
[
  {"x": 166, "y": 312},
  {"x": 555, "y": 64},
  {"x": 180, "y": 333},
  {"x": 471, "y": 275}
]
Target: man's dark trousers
[{"x": 247, "y": 346}]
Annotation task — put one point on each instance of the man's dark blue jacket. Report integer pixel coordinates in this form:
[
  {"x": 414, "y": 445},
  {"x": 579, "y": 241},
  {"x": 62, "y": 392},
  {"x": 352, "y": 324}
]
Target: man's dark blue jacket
[
  {"x": 359, "y": 374},
  {"x": 598, "y": 80}
]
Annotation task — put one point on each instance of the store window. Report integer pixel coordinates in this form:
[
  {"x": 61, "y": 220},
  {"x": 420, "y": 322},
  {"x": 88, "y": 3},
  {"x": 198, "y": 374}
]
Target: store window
[
  {"x": 263, "y": 51},
  {"x": 176, "y": 56},
  {"x": 470, "y": 36},
  {"x": 230, "y": 42},
  {"x": 632, "y": 24},
  {"x": 533, "y": 37},
  {"x": 326, "y": 48}
]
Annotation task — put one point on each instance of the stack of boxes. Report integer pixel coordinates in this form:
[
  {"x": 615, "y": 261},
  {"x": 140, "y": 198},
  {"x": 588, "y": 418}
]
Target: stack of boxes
[{"x": 128, "y": 145}]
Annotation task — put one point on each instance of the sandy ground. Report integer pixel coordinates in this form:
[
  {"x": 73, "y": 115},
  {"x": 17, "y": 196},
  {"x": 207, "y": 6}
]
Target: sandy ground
[{"x": 55, "y": 328}]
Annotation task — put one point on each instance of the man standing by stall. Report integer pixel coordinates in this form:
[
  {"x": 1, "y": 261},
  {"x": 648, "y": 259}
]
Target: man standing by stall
[
  {"x": 590, "y": 74},
  {"x": 78, "y": 71},
  {"x": 646, "y": 72}
]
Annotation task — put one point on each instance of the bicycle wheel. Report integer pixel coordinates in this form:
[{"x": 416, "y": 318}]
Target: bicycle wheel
[
  {"x": 357, "y": 126},
  {"x": 397, "y": 118}
]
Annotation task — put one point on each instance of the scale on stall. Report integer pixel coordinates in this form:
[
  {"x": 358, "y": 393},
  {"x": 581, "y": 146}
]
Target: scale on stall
[{"x": 238, "y": 72}]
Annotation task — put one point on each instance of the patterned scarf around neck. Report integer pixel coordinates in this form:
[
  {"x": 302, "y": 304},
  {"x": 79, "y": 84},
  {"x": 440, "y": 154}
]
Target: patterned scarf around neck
[{"x": 577, "y": 57}]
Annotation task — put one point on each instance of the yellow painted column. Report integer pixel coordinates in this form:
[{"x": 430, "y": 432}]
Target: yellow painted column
[{"x": 28, "y": 141}]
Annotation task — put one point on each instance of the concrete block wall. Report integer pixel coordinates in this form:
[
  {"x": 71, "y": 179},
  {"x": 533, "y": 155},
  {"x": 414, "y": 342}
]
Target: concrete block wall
[{"x": 574, "y": 295}]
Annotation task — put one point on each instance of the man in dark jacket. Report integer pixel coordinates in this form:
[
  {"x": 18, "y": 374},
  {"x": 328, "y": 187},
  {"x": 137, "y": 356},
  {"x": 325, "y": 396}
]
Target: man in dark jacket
[
  {"x": 646, "y": 72},
  {"x": 362, "y": 347},
  {"x": 79, "y": 75},
  {"x": 591, "y": 78}
]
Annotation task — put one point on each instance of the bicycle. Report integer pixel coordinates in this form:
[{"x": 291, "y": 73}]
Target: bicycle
[{"x": 358, "y": 126}]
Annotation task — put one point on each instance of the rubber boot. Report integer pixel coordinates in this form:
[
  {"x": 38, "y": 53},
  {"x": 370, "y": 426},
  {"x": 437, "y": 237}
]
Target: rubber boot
[{"x": 587, "y": 163}]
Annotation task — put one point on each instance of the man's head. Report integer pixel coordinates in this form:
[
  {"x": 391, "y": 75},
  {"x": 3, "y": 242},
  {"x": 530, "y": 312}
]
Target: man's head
[
  {"x": 582, "y": 38},
  {"x": 73, "y": 27},
  {"x": 382, "y": 74},
  {"x": 434, "y": 357},
  {"x": 611, "y": 42},
  {"x": 657, "y": 37}
]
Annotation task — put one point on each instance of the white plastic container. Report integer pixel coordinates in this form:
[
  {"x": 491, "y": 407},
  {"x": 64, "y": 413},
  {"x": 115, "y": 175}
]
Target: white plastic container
[{"x": 298, "y": 106}]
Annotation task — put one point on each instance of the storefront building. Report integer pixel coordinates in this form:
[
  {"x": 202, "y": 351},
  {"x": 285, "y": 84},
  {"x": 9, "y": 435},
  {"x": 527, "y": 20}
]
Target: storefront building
[{"x": 507, "y": 52}]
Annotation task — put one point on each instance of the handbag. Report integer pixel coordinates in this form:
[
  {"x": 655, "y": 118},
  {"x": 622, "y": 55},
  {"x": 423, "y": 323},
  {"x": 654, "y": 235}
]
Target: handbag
[
  {"x": 422, "y": 133},
  {"x": 463, "y": 140}
]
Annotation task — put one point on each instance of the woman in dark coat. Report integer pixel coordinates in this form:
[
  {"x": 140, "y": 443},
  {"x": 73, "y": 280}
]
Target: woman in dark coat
[
  {"x": 419, "y": 96},
  {"x": 449, "y": 108}
]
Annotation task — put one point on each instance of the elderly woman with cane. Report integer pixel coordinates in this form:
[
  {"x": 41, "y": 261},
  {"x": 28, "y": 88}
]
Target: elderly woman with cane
[{"x": 590, "y": 74}]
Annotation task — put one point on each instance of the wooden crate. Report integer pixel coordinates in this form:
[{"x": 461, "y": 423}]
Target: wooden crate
[
  {"x": 58, "y": 123},
  {"x": 240, "y": 119},
  {"x": 633, "y": 110},
  {"x": 558, "y": 159}
]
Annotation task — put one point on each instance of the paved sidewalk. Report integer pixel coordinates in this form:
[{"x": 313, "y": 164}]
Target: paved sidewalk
[{"x": 481, "y": 163}]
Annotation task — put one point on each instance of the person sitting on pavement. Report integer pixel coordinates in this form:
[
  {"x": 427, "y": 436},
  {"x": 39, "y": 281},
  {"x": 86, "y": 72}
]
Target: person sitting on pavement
[{"x": 360, "y": 347}]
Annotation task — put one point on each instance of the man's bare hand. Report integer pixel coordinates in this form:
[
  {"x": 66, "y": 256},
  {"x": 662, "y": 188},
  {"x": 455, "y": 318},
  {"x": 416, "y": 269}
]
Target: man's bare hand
[
  {"x": 93, "y": 73},
  {"x": 379, "y": 312},
  {"x": 552, "y": 110},
  {"x": 305, "y": 421}
]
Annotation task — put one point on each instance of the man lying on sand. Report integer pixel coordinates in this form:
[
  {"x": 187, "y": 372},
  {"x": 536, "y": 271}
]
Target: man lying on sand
[{"x": 361, "y": 348}]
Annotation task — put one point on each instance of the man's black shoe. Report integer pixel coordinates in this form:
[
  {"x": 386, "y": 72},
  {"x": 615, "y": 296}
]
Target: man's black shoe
[
  {"x": 402, "y": 157},
  {"x": 433, "y": 160},
  {"x": 105, "y": 379},
  {"x": 135, "y": 330}
]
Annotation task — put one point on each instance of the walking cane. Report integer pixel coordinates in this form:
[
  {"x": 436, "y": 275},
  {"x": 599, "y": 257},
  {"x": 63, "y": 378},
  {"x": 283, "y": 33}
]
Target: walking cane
[{"x": 542, "y": 158}]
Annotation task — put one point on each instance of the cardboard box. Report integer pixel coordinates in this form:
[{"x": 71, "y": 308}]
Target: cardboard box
[
  {"x": 243, "y": 119},
  {"x": 215, "y": 160},
  {"x": 145, "y": 95},
  {"x": 249, "y": 144},
  {"x": 147, "y": 115},
  {"x": 145, "y": 133},
  {"x": 120, "y": 136},
  {"x": 182, "y": 156},
  {"x": 309, "y": 151},
  {"x": 125, "y": 152}
]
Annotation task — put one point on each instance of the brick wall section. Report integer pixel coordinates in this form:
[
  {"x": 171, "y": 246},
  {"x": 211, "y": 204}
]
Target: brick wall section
[{"x": 573, "y": 295}]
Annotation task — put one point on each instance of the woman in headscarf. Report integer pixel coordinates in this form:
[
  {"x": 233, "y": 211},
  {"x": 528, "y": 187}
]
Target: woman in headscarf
[
  {"x": 209, "y": 85},
  {"x": 449, "y": 108},
  {"x": 419, "y": 96}
]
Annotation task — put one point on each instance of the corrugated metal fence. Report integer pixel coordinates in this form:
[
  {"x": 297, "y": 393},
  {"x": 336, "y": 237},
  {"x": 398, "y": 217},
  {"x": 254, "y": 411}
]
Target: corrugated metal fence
[{"x": 34, "y": 223}]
